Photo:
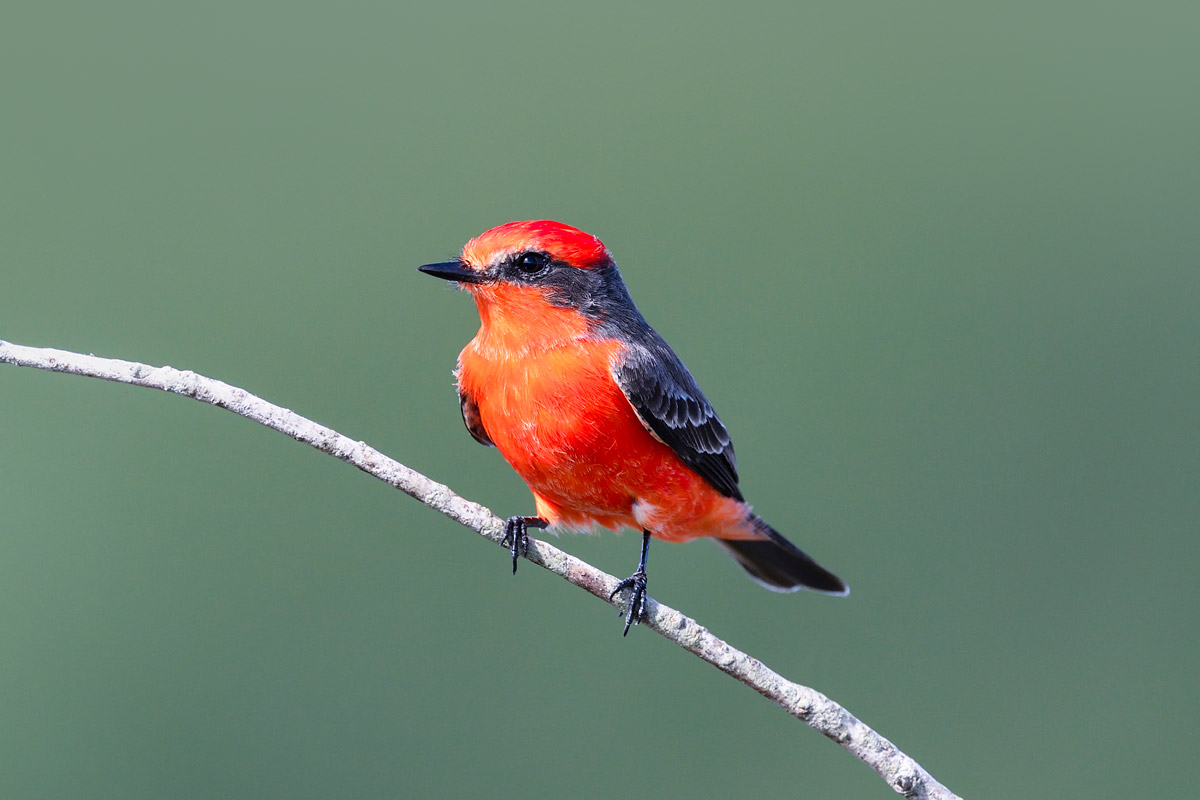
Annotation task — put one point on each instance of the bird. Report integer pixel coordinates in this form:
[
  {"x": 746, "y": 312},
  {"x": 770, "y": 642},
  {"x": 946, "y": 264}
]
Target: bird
[{"x": 596, "y": 413}]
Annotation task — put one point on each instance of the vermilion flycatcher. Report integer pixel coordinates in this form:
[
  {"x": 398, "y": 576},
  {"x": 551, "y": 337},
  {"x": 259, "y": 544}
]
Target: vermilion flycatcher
[{"x": 596, "y": 412}]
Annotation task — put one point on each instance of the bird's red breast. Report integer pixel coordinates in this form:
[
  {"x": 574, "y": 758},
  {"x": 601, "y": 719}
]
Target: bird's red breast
[{"x": 542, "y": 383}]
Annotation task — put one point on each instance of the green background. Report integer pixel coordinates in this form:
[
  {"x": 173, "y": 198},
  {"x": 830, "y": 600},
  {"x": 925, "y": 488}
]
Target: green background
[{"x": 937, "y": 266}]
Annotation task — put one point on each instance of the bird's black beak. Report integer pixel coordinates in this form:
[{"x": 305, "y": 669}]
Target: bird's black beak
[{"x": 452, "y": 271}]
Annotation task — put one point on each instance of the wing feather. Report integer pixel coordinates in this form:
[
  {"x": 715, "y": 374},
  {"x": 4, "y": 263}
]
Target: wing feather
[
  {"x": 671, "y": 406},
  {"x": 470, "y": 415}
]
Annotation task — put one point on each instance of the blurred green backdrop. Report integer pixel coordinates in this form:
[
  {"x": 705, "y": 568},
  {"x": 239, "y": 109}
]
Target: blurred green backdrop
[{"x": 937, "y": 266}]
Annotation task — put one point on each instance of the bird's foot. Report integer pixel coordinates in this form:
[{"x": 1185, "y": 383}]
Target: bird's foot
[
  {"x": 516, "y": 535},
  {"x": 636, "y": 610}
]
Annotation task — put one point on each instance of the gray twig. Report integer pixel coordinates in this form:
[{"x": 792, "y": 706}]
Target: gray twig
[{"x": 816, "y": 710}]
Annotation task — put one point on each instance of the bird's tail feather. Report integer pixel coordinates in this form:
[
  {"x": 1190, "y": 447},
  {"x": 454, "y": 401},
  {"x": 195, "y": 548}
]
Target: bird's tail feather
[{"x": 779, "y": 565}]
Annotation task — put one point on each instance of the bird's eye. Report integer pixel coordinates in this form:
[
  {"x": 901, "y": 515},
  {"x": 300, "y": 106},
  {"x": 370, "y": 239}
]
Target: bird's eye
[{"x": 531, "y": 262}]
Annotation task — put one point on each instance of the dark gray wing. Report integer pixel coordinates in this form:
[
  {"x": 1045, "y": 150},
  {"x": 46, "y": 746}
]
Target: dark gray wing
[
  {"x": 470, "y": 415},
  {"x": 671, "y": 405}
]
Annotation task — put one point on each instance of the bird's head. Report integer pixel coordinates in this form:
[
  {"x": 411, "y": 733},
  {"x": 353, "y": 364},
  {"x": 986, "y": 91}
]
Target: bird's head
[{"x": 536, "y": 266}]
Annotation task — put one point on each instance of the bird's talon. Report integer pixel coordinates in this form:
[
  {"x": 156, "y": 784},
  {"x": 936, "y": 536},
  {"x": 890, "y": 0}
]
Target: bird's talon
[
  {"x": 635, "y": 612},
  {"x": 516, "y": 536}
]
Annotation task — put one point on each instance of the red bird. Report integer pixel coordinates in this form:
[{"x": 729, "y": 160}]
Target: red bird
[{"x": 596, "y": 412}]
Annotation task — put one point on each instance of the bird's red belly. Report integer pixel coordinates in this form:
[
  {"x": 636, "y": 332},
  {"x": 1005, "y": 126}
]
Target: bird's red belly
[{"x": 564, "y": 425}]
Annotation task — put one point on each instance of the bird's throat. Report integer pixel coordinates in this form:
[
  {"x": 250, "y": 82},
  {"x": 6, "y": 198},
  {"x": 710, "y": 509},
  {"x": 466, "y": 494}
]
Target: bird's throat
[{"x": 516, "y": 321}]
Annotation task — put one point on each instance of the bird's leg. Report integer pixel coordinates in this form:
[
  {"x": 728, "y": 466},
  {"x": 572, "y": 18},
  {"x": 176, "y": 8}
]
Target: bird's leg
[
  {"x": 516, "y": 539},
  {"x": 636, "y": 583}
]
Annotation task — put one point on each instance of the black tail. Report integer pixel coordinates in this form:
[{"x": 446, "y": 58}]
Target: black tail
[{"x": 779, "y": 565}]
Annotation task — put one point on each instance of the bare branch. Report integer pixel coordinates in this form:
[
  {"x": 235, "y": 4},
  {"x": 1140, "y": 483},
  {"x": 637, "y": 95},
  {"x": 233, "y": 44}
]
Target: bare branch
[{"x": 816, "y": 710}]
